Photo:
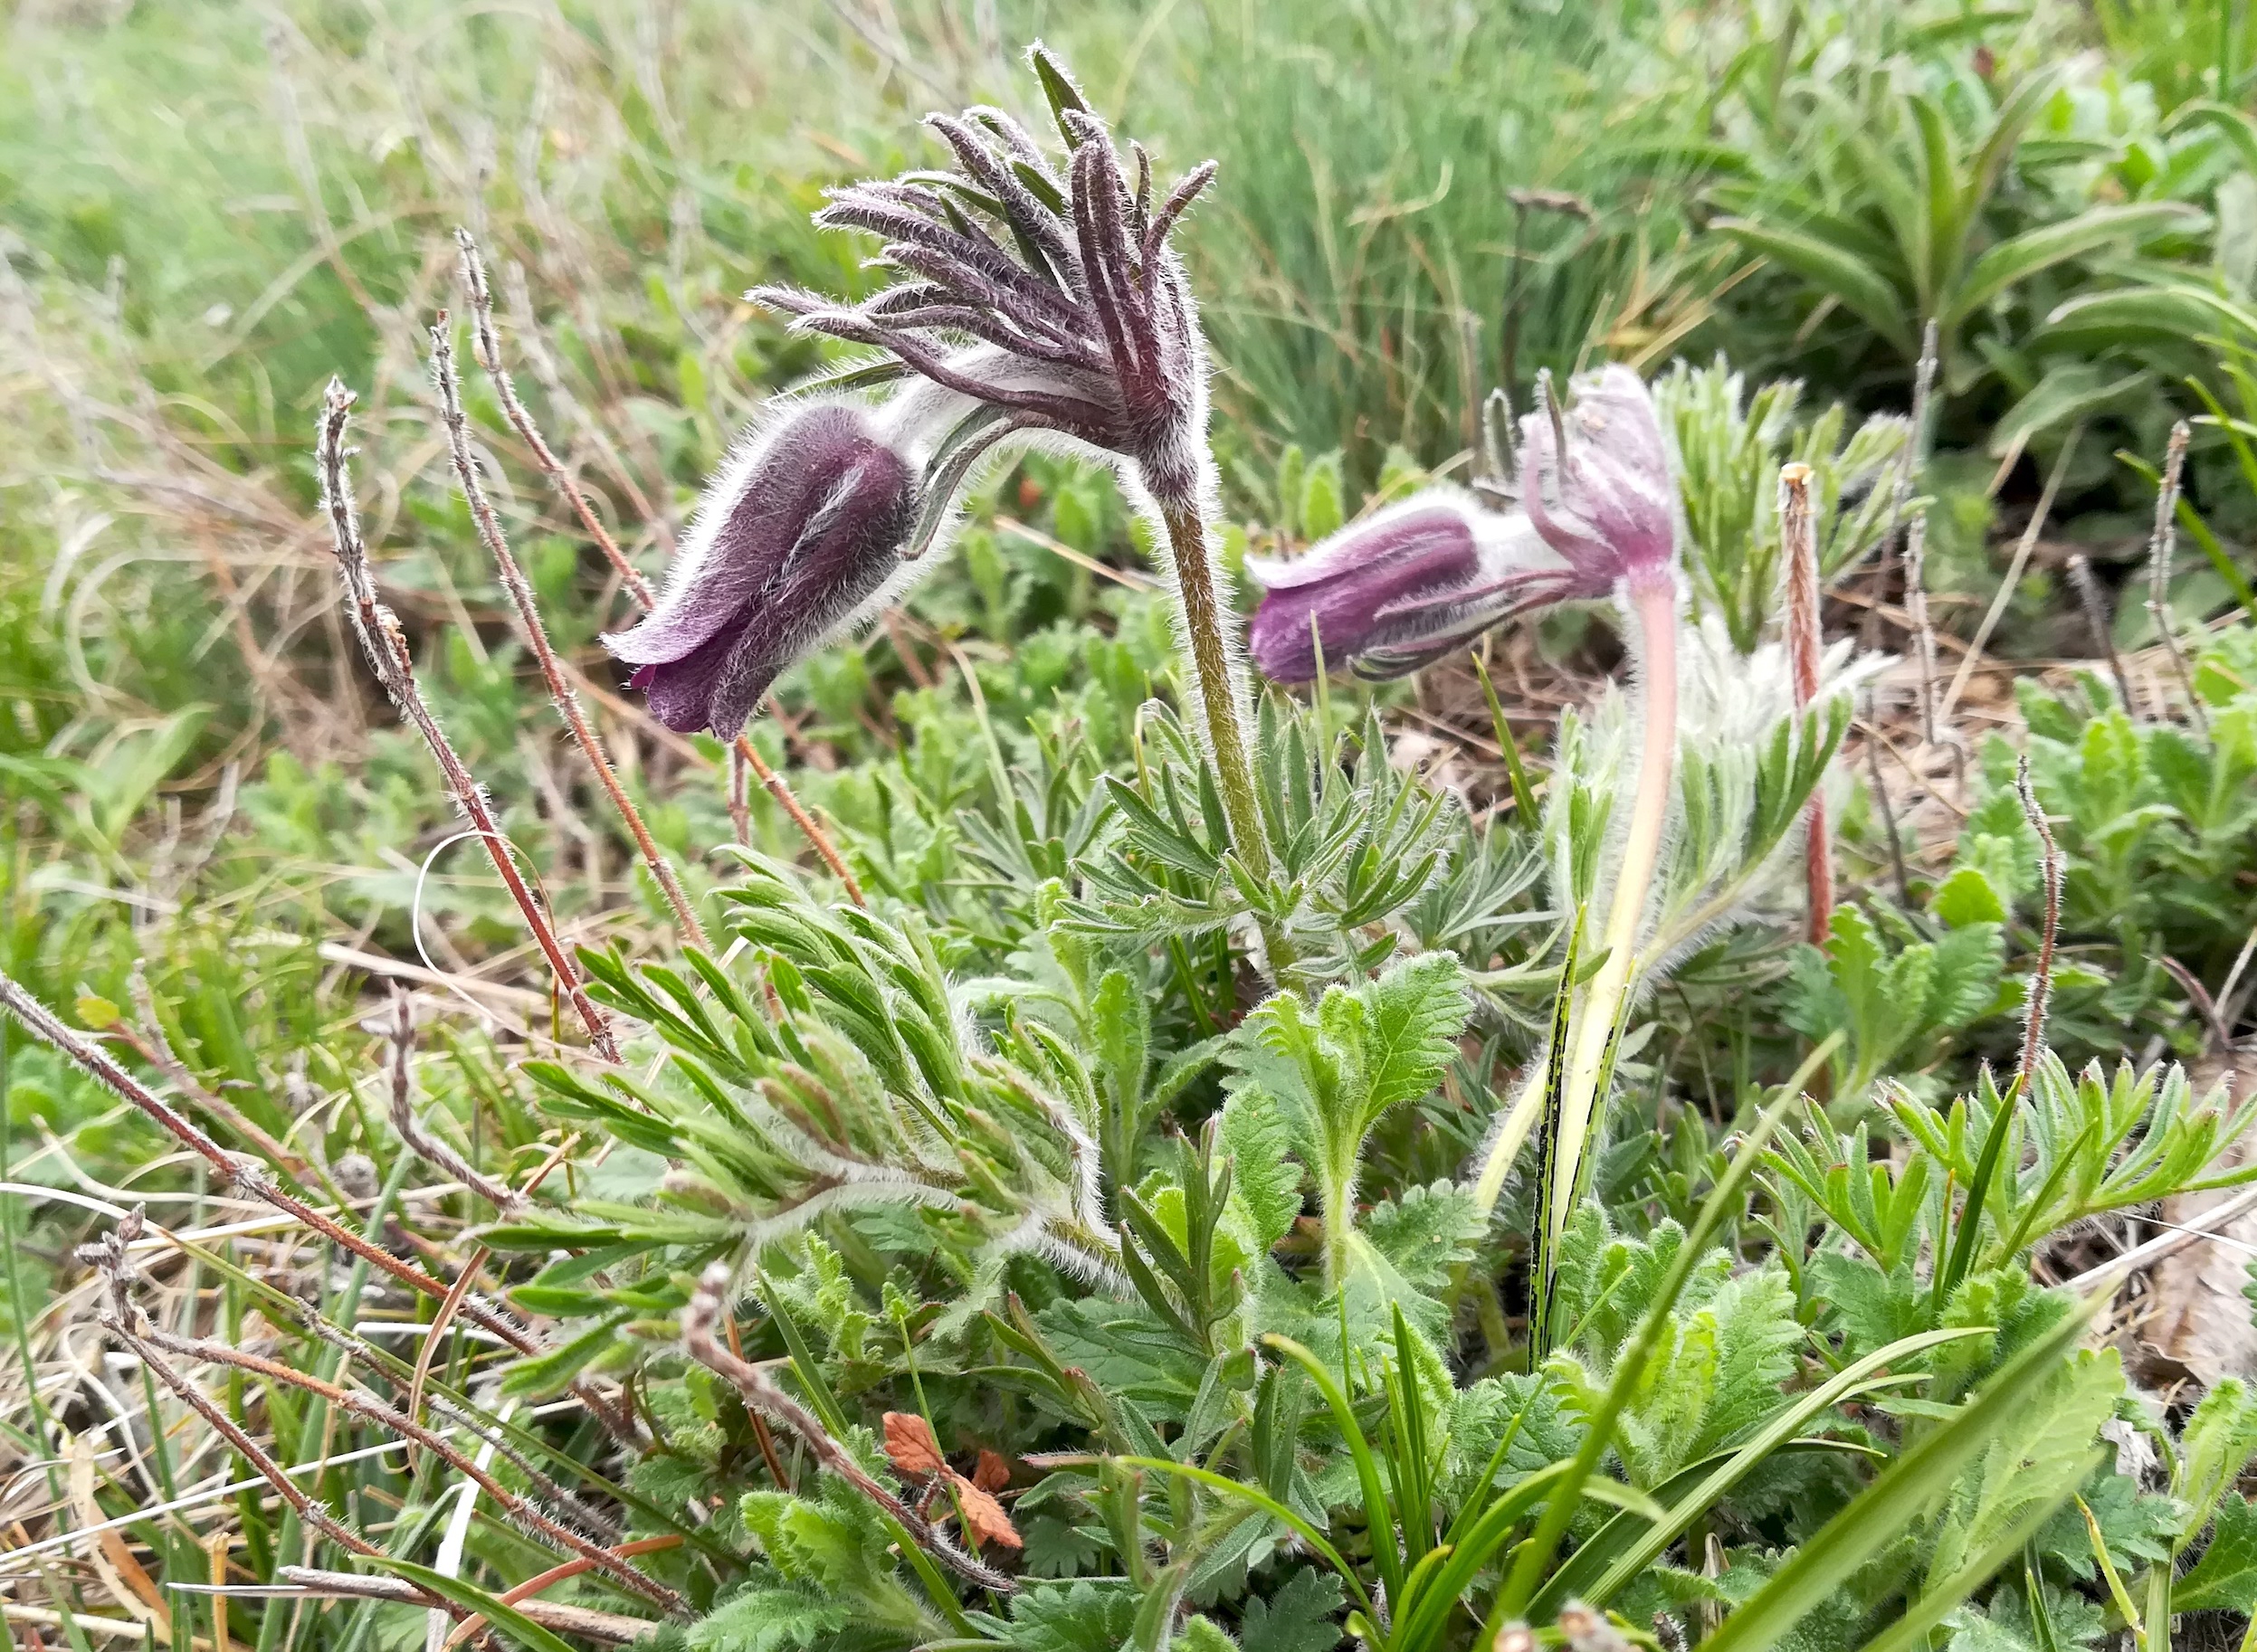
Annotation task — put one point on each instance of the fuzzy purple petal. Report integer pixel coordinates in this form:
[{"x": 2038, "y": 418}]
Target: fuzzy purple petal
[
  {"x": 1608, "y": 505},
  {"x": 746, "y": 526},
  {"x": 846, "y": 555},
  {"x": 793, "y": 537},
  {"x": 1363, "y": 581}
]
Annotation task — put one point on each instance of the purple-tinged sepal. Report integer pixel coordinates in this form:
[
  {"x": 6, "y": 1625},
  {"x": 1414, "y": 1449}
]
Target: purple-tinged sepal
[
  {"x": 1402, "y": 586},
  {"x": 801, "y": 531},
  {"x": 1597, "y": 482}
]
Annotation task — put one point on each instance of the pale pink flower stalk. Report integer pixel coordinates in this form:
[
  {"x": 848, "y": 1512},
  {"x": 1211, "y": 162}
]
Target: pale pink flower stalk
[{"x": 1598, "y": 489}]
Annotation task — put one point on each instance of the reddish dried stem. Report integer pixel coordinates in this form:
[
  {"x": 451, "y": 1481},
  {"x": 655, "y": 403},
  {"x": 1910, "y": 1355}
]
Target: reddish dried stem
[
  {"x": 761, "y": 1393},
  {"x": 792, "y": 806},
  {"x": 368, "y": 1406},
  {"x": 530, "y": 623},
  {"x": 385, "y": 646},
  {"x": 489, "y": 358},
  {"x": 1805, "y": 641},
  {"x": 2041, "y": 980},
  {"x": 488, "y": 346},
  {"x": 251, "y": 1179}
]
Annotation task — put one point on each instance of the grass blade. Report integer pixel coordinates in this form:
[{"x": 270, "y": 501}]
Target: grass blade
[{"x": 1908, "y": 1486}]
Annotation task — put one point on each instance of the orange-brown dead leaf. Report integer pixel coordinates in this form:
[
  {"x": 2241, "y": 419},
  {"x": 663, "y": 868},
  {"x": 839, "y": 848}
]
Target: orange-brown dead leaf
[
  {"x": 910, "y": 1445},
  {"x": 992, "y": 1474},
  {"x": 983, "y": 1518}
]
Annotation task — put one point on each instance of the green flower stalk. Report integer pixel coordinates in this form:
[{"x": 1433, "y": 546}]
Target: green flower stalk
[{"x": 1600, "y": 490}]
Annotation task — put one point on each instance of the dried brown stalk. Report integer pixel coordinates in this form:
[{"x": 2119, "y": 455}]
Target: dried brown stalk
[
  {"x": 1923, "y": 632},
  {"x": 488, "y": 348},
  {"x": 530, "y": 626},
  {"x": 792, "y": 806},
  {"x": 739, "y": 798},
  {"x": 401, "y": 1035},
  {"x": 386, "y": 648},
  {"x": 1805, "y": 642},
  {"x": 520, "y": 1593},
  {"x": 123, "y": 1319},
  {"x": 2095, "y": 608},
  {"x": 354, "y": 1401},
  {"x": 2160, "y": 547},
  {"x": 424, "y": 1396},
  {"x": 612, "y": 1629},
  {"x": 2041, "y": 980},
  {"x": 251, "y": 1180},
  {"x": 761, "y": 1393}
]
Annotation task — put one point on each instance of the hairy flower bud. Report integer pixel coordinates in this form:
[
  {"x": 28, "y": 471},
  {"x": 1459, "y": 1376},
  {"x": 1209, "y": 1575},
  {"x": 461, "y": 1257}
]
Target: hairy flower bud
[
  {"x": 801, "y": 530},
  {"x": 1597, "y": 482},
  {"x": 1402, "y": 587}
]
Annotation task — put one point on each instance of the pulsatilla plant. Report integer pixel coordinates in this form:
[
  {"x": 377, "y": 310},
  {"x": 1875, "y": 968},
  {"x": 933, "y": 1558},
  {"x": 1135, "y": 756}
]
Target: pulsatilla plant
[
  {"x": 1037, "y": 302},
  {"x": 1102, "y": 1227}
]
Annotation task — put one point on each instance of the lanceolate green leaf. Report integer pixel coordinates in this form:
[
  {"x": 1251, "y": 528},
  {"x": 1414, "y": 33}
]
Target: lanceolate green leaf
[
  {"x": 1625, "y": 1553},
  {"x": 1537, "y": 1553},
  {"x": 1911, "y": 1630},
  {"x": 2013, "y": 261},
  {"x": 1839, "y": 274}
]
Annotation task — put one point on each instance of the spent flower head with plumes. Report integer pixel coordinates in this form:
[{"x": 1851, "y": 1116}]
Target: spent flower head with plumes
[
  {"x": 1401, "y": 588},
  {"x": 1067, "y": 277}
]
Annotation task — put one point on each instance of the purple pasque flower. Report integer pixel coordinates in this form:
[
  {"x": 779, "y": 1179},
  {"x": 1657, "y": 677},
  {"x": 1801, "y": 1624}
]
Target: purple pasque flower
[
  {"x": 1404, "y": 586},
  {"x": 802, "y": 529},
  {"x": 1068, "y": 278},
  {"x": 1408, "y": 585},
  {"x": 1598, "y": 483}
]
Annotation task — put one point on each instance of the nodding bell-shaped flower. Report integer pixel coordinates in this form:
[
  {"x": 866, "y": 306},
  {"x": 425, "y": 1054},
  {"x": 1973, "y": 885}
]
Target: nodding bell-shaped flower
[
  {"x": 1067, "y": 276},
  {"x": 1598, "y": 484},
  {"x": 1402, "y": 587},
  {"x": 803, "y": 530},
  {"x": 1409, "y": 583}
]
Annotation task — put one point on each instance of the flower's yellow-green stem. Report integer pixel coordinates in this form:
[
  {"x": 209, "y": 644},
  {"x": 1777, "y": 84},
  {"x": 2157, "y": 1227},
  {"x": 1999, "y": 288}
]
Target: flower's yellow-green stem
[{"x": 1599, "y": 1004}]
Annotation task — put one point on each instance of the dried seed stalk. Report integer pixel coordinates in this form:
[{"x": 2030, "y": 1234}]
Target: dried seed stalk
[
  {"x": 761, "y": 1394},
  {"x": 2041, "y": 981},
  {"x": 251, "y": 1180},
  {"x": 2160, "y": 547},
  {"x": 386, "y": 647},
  {"x": 1798, "y": 532},
  {"x": 124, "y": 1320},
  {"x": 536, "y": 632},
  {"x": 1923, "y": 632},
  {"x": 426, "y": 1146},
  {"x": 518, "y": 1510},
  {"x": 488, "y": 344},
  {"x": 2095, "y": 605}
]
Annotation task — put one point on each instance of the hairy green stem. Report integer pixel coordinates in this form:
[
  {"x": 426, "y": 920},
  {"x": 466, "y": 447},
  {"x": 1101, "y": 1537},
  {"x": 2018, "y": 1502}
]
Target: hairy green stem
[
  {"x": 1217, "y": 680},
  {"x": 1598, "y": 1005}
]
